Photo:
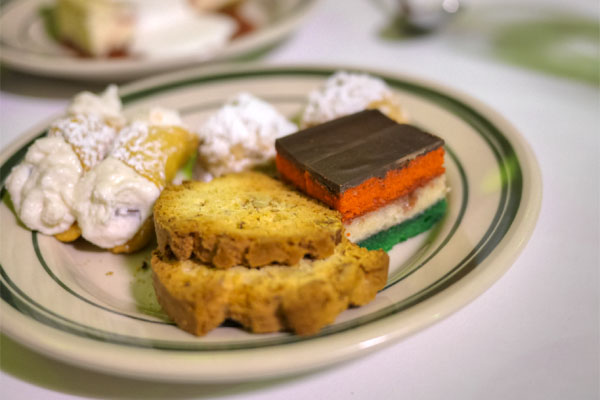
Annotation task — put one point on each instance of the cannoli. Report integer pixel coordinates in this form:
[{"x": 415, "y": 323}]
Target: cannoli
[
  {"x": 114, "y": 199},
  {"x": 42, "y": 186},
  {"x": 347, "y": 93}
]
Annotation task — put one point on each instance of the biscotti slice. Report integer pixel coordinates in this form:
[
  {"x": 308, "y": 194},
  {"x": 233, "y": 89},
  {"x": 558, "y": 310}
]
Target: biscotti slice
[
  {"x": 245, "y": 219},
  {"x": 302, "y": 299}
]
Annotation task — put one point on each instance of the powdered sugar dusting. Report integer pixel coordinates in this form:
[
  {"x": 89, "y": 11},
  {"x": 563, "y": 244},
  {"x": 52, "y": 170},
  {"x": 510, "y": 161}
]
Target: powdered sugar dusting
[
  {"x": 88, "y": 134},
  {"x": 239, "y": 135},
  {"x": 134, "y": 147},
  {"x": 343, "y": 94}
]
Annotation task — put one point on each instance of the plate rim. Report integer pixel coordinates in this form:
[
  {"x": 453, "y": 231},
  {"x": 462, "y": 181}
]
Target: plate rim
[{"x": 360, "y": 339}]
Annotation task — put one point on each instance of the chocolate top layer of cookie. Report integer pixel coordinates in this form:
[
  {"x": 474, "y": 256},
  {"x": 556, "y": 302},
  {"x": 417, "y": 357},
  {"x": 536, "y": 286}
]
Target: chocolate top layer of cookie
[{"x": 345, "y": 152}]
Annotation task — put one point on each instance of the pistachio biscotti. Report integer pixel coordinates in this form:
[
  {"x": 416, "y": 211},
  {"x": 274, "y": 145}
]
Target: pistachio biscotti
[
  {"x": 302, "y": 299},
  {"x": 244, "y": 219}
]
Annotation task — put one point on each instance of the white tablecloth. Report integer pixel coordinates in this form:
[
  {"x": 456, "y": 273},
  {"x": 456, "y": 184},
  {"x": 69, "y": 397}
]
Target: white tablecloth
[{"x": 533, "y": 335}]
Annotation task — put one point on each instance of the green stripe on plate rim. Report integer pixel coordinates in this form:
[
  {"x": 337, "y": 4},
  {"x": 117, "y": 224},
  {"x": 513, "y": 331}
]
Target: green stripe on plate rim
[{"x": 511, "y": 176}]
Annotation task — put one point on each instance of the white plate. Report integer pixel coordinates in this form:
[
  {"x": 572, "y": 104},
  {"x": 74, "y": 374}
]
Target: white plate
[
  {"x": 97, "y": 310},
  {"x": 24, "y": 44}
]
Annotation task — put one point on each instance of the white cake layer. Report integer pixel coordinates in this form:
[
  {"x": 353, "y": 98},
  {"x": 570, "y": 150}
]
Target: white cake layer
[{"x": 398, "y": 211}]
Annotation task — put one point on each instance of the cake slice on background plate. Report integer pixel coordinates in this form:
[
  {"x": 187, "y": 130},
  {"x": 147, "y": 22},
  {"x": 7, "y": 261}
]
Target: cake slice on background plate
[
  {"x": 149, "y": 28},
  {"x": 98, "y": 28}
]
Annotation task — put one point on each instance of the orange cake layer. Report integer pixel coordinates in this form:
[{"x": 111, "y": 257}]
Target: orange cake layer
[{"x": 373, "y": 192}]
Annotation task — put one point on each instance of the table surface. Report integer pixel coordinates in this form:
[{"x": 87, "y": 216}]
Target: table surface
[{"x": 533, "y": 335}]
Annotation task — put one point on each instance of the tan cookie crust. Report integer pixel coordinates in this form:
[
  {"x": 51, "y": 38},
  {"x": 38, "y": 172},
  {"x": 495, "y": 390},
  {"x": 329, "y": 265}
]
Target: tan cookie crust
[
  {"x": 245, "y": 219},
  {"x": 269, "y": 299}
]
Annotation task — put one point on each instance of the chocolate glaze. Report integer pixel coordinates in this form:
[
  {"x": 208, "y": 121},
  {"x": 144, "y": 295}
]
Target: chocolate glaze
[{"x": 345, "y": 152}]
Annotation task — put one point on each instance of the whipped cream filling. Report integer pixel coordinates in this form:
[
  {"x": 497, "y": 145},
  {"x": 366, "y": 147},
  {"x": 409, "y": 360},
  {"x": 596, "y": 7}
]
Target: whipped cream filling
[
  {"x": 239, "y": 136},
  {"x": 107, "y": 105},
  {"x": 42, "y": 186},
  {"x": 343, "y": 94},
  {"x": 112, "y": 201},
  {"x": 159, "y": 116}
]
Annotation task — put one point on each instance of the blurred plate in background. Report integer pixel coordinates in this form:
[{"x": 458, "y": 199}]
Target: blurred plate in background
[{"x": 26, "y": 45}]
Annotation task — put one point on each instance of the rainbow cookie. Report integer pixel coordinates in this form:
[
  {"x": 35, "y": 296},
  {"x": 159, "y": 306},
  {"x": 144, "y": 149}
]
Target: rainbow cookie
[{"x": 386, "y": 179}]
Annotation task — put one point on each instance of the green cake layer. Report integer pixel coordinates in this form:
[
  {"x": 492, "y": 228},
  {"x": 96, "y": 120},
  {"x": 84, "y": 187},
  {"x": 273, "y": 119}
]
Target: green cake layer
[{"x": 388, "y": 238}]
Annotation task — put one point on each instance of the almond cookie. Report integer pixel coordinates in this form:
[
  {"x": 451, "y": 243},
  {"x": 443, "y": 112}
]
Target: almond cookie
[
  {"x": 302, "y": 299},
  {"x": 245, "y": 219}
]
